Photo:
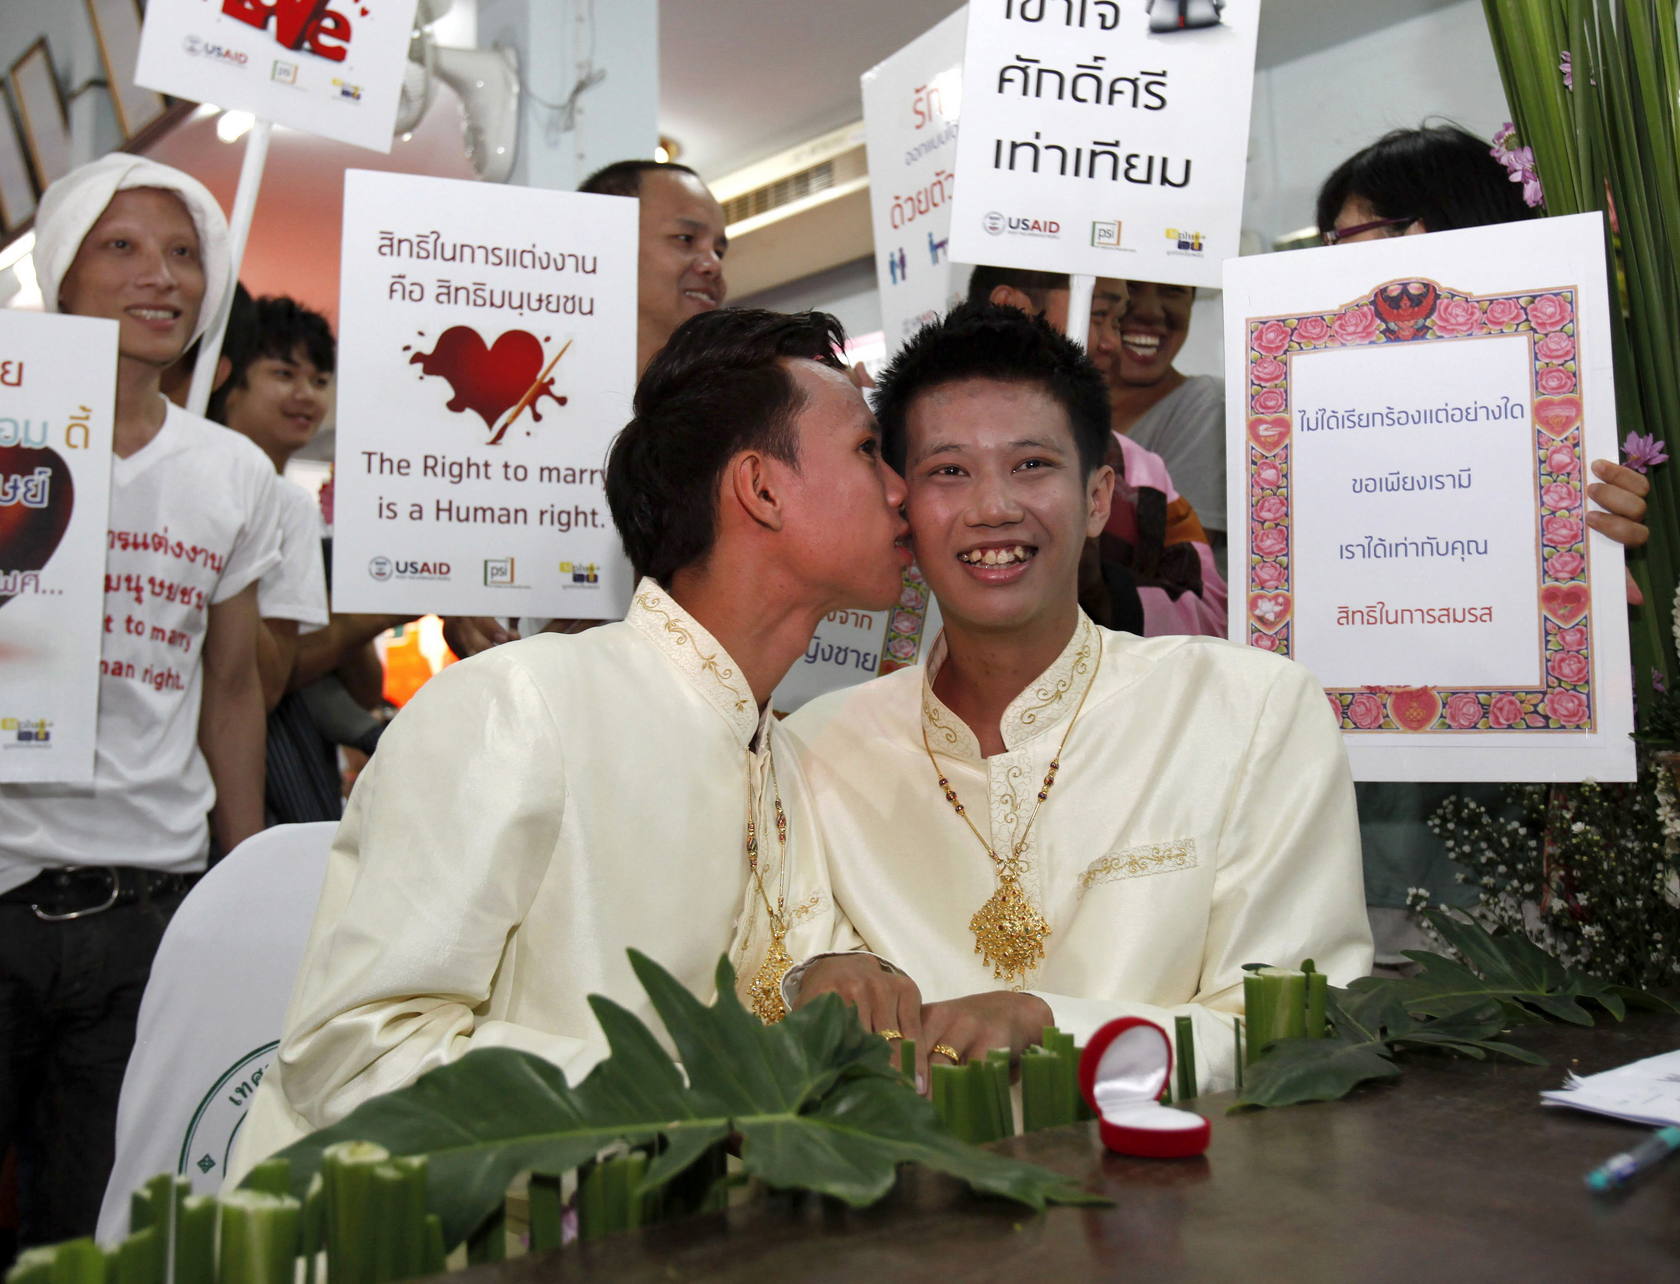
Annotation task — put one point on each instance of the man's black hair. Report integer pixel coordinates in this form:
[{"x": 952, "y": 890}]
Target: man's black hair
[
  {"x": 719, "y": 387},
  {"x": 1440, "y": 175},
  {"x": 624, "y": 178},
  {"x": 272, "y": 326},
  {"x": 1032, "y": 282},
  {"x": 993, "y": 341}
]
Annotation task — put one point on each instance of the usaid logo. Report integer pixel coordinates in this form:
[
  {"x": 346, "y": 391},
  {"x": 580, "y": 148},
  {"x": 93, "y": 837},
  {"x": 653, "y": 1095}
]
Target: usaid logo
[
  {"x": 380, "y": 568},
  {"x": 1021, "y": 225},
  {"x": 198, "y": 47}
]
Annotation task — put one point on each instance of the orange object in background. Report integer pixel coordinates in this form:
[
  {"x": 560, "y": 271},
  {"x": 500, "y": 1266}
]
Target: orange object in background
[{"x": 406, "y": 667}]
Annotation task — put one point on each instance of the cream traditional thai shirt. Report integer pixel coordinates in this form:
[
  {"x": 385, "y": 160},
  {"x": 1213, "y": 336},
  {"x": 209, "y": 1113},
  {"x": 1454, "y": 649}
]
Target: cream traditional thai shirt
[
  {"x": 1202, "y": 818},
  {"x": 530, "y": 815}
]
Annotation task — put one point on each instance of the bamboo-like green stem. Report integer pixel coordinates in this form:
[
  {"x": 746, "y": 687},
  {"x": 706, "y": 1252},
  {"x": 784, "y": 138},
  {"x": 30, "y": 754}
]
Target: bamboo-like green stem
[
  {"x": 1318, "y": 997},
  {"x": 273, "y": 1176},
  {"x": 547, "y": 1212},
  {"x": 907, "y": 1059},
  {"x": 1185, "y": 1030},
  {"x": 397, "y": 1213},
  {"x": 347, "y": 1196},
  {"x": 1040, "y": 1105},
  {"x": 1237, "y": 1049},
  {"x": 312, "y": 1230},
  {"x": 75, "y": 1261},
  {"x": 259, "y": 1237},
  {"x": 437, "y": 1256},
  {"x": 142, "y": 1258},
  {"x": 488, "y": 1242},
  {"x": 195, "y": 1240}
]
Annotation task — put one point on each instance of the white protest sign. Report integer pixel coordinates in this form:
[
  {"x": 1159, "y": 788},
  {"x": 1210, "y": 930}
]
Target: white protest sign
[
  {"x": 328, "y": 67},
  {"x": 911, "y": 103},
  {"x": 1410, "y": 424},
  {"x": 487, "y": 357},
  {"x": 1103, "y": 138},
  {"x": 57, "y": 389},
  {"x": 853, "y": 646}
]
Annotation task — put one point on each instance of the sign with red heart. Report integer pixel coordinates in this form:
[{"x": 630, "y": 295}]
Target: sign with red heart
[
  {"x": 487, "y": 358},
  {"x": 1414, "y": 429},
  {"x": 57, "y": 385}
]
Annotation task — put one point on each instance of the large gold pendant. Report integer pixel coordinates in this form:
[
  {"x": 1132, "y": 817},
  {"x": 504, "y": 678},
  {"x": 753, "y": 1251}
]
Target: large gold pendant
[
  {"x": 764, "y": 995},
  {"x": 1009, "y": 932}
]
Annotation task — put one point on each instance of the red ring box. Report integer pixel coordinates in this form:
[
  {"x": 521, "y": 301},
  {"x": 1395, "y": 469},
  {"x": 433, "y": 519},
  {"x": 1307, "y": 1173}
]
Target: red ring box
[{"x": 1125, "y": 1066}]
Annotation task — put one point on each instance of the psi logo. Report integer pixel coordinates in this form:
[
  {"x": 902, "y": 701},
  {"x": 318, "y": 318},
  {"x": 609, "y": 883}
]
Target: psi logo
[
  {"x": 498, "y": 572},
  {"x": 1105, "y": 234}
]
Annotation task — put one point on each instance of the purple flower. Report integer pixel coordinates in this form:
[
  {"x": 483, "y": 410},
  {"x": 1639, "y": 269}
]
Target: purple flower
[
  {"x": 1643, "y": 453},
  {"x": 1519, "y": 162},
  {"x": 1657, "y": 683},
  {"x": 1568, "y": 71}
]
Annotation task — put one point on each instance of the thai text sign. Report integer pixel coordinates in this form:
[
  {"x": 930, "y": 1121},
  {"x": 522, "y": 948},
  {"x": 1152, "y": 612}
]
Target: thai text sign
[
  {"x": 57, "y": 389},
  {"x": 1103, "y": 137},
  {"x": 487, "y": 358},
  {"x": 328, "y": 67},
  {"x": 910, "y": 107},
  {"x": 1411, "y": 426}
]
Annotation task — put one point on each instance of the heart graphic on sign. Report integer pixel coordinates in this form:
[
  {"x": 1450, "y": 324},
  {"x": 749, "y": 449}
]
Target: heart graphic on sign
[
  {"x": 1565, "y": 603},
  {"x": 1557, "y": 415},
  {"x": 1269, "y": 611},
  {"x": 29, "y": 536},
  {"x": 489, "y": 380},
  {"x": 1269, "y": 433},
  {"x": 1414, "y": 708}
]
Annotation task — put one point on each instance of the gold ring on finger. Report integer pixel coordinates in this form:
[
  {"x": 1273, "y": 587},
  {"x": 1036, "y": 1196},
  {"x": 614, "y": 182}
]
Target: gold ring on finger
[
  {"x": 890, "y": 1035},
  {"x": 948, "y": 1052}
]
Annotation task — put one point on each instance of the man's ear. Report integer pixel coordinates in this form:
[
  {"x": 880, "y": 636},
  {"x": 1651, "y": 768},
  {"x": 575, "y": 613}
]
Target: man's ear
[
  {"x": 751, "y": 484},
  {"x": 224, "y": 368},
  {"x": 1099, "y": 494},
  {"x": 1009, "y": 297}
]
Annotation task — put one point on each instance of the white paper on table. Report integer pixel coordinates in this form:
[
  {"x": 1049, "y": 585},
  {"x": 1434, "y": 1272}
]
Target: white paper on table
[
  {"x": 1092, "y": 143},
  {"x": 1410, "y": 424},
  {"x": 1646, "y": 1092},
  {"x": 334, "y": 69},
  {"x": 58, "y": 379},
  {"x": 487, "y": 358},
  {"x": 911, "y": 105}
]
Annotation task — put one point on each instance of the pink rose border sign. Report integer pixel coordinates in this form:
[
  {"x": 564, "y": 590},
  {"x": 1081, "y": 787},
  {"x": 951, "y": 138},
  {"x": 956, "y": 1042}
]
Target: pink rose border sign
[{"x": 1421, "y": 311}]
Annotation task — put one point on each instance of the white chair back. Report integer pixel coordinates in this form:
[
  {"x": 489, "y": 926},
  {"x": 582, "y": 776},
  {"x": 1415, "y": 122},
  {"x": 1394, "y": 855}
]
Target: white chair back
[{"x": 210, "y": 1020}]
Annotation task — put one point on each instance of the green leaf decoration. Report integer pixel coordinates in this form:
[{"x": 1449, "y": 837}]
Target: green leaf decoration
[
  {"x": 815, "y": 1099},
  {"x": 1500, "y": 980}
]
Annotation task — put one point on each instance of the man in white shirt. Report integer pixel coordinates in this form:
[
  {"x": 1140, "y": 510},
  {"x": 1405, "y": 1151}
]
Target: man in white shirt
[
  {"x": 90, "y": 875},
  {"x": 1048, "y": 820},
  {"x": 539, "y": 808}
]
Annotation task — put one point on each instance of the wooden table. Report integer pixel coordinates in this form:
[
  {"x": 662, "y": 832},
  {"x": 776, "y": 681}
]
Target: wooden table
[{"x": 1455, "y": 1172}]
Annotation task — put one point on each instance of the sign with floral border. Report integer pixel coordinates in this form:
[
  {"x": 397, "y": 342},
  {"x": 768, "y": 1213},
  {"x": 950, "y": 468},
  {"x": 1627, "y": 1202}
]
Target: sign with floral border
[
  {"x": 1411, "y": 312},
  {"x": 1412, "y": 425}
]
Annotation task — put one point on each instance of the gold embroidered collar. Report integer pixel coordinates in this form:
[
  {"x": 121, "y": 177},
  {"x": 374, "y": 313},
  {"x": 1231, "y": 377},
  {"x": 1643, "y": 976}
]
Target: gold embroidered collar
[
  {"x": 698, "y": 656},
  {"x": 1044, "y": 704}
]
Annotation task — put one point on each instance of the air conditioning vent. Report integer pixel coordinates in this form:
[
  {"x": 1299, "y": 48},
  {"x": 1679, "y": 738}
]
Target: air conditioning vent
[
  {"x": 796, "y": 213},
  {"x": 783, "y": 191}
]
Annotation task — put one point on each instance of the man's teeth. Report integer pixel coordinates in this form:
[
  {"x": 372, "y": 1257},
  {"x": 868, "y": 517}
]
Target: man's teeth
[
  {"x": 154, "y": 314},
  {"x": 995, "y": 556},
  {"x": 1142, "y": 344}
]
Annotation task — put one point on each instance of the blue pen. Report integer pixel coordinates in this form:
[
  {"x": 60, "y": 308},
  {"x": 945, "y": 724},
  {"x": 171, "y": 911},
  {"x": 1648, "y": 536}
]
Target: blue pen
[{"x": 1618, "y": 1170}]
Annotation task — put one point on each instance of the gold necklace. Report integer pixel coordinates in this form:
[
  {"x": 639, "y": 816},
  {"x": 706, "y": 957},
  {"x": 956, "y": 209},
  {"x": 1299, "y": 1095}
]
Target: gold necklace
[
  {"x": 764, "y": 994},
  {"x": 1008, "y": 930}
]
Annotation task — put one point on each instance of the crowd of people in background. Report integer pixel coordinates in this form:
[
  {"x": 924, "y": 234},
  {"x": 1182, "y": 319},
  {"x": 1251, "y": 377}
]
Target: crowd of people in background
[{"x": 273, "y": 686}]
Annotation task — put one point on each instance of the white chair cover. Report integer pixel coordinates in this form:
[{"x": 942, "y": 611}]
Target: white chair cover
[{"x": 210, "y": 1020}]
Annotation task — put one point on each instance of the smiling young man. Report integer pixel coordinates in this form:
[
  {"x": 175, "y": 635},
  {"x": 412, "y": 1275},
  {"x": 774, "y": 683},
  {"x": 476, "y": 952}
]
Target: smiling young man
[
  {"x": 538, "y": 809},
  {"x": 1048, "y": 820},
  {"x": 89, "y": 876}
]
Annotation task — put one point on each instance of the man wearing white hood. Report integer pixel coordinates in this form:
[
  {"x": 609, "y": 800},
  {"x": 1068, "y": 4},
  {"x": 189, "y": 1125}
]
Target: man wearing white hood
[{"x": 89, "y": 875}]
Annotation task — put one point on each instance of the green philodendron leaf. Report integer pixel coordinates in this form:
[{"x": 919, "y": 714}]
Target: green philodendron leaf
[
  {"x": 1503, "y": 980},
  {"x": 1296, "y": 1070},
  {"x": 815, "y": 1099}
]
